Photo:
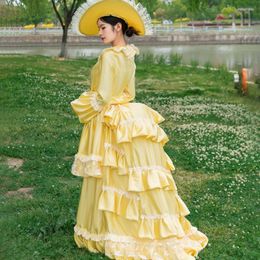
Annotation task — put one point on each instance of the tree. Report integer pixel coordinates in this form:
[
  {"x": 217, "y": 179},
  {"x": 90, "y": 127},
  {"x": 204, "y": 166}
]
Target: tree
[
  {"x": 65, "y": 9},
  {"x": 150, "y": 5},
  {"x": 193, "y": 6},
  {"x": 159, "y": 13},
  {"x": 170, "y": 11},
  {"x": 214, "y": 2},
  {"x": 36, "y": 11},
  {"x": 175, "y": 10},
  {"x": 255, "y": 4},
  {"x": 11, "y": 14},
  {"x": 230, "y": 11}
]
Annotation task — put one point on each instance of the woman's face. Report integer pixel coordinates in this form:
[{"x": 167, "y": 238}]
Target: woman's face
[{"x": 107, "y": 32}]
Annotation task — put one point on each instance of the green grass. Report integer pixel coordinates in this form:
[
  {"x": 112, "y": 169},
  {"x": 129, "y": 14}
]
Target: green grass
[{"x": 214, "y": 144}]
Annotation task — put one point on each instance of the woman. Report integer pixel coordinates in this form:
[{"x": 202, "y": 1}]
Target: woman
[{"x": 129, "y": 205}]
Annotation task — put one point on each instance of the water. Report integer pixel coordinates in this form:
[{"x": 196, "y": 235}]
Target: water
[{"x": 232, "y": 56}]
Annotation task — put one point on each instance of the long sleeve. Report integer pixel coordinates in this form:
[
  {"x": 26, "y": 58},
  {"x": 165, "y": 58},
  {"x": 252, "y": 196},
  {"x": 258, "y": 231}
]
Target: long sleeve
[
  {"x": 107, "y": 76},
  {"x": 90, "y": 103}
]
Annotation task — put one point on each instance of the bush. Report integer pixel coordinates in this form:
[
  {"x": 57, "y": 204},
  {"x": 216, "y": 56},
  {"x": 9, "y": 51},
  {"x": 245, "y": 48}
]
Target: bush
[
  {"x": 194, "y": 63},
  {"x": 161, "y": 59},
  {"x": 208, "y": 66},
  {"x": 146, "y": 58},
  {"x": 257, "y": 81},
  {"x": 175, "y": 59}
]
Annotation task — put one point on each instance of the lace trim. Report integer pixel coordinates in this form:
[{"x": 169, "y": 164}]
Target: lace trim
[
  {"x": 85, "y": 166},
  {"x": 140, "y": 169},
  {"x": 121, "y": 192},
  {"x": 130, "y": 50},
  {"x": 101, "y": 237},
  {"x": 75, "y": 172},
  {"x": 87, "y": 158},
  {"x": 97, "y": 158},
  {"x": 127, "y": 239},
  {"x": 95, "y": 103},
  {"x": 118, "y": 150}
]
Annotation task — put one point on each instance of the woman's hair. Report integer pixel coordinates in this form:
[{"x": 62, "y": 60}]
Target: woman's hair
[{"x": 113, "y": 20}]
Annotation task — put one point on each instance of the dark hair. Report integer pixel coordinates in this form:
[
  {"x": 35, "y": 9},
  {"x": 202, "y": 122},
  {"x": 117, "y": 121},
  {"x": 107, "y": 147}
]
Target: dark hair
[{"x": 113, "y": 20}]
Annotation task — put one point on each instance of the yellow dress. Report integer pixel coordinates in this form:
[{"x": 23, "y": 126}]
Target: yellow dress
[{"x": 129, "y": 206}]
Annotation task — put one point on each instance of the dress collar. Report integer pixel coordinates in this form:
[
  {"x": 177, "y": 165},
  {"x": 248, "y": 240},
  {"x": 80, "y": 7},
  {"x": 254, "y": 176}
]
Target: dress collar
[{"x": 130, "y": 50}]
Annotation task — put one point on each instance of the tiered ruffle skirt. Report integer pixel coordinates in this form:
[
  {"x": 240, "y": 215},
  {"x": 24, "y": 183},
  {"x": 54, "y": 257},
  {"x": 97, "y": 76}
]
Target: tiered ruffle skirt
[{"x": 129, "y": 206}]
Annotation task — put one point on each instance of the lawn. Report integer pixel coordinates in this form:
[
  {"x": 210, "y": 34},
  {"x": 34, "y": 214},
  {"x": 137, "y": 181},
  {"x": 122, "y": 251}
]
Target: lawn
[{"x": 214, "y": 144}]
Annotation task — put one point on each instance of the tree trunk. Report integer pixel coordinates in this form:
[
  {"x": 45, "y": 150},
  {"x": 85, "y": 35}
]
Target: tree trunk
[
  {"x": 35, "y": 28},
  {"x": 233, "y": 22},
  {"x": 193, "y": 25},
  {"x": 63, "y": 52}
]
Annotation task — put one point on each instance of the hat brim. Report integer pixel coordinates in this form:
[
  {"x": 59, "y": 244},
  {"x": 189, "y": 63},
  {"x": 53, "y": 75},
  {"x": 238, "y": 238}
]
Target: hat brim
[{"x": 88, "y": 21}]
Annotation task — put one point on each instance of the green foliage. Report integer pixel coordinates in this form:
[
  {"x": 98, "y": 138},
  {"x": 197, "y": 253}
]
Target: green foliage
[
  {"x": 194, "y": 63},
  {"x": 150, "y": 5},
  {"x": 160, "y": 59},
  {"x": 171, "y": 11},
  {"x": 229, "y": 11},
  {"x": 146, "y": 58},
  {"x": 224, "y": 72},
  {"x": 207, "y": 13},
  {"x": 175, "y": 59},
  {"x": 64, "y": 11},
  {"x": 208, "y": 65},
  {"x": 193, "y": 7},
  {"x": 11, "y": 15},
  {"x": 160, "y": 13},
  {"x": 39, "y": 11},
  {"x": 36, "y": 11},
  {"x": 202, "y": 9}
]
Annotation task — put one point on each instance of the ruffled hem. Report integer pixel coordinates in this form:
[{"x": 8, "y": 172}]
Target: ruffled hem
[
  {"x": 123, "y": 203},
  {"x": 141, "y": 178},
  {"x": 152, "y": 177},
  {"x": 120, "y": 247},
  {"x": 115, "y": 114},
  {"x": 128, "y": 205},
  {"x": 161, "y": 226},
  {"x": 133, "y": 120},
  {"x": 114, "y": 157},
  {"x": 86, "y": 166}
]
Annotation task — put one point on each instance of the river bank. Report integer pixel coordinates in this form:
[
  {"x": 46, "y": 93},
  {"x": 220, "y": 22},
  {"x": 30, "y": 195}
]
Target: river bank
[
  {"x": 232, "y": 56},
  {"x": 185, "y": 38}
]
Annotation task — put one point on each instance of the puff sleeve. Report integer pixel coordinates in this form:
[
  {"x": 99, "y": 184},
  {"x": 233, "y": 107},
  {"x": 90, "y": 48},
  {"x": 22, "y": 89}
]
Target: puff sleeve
[{"x": 90, "y": 103}]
